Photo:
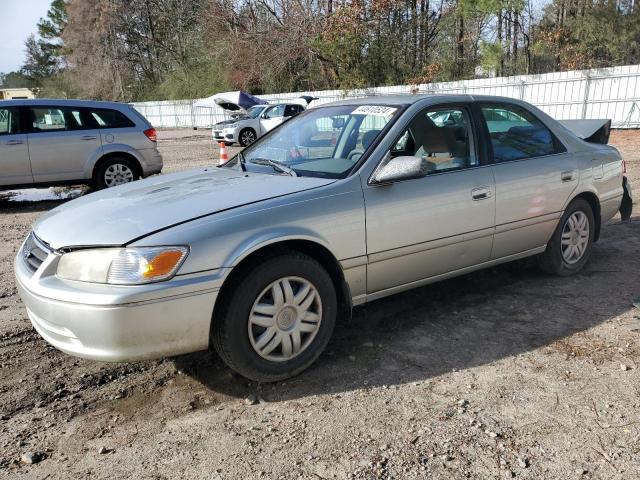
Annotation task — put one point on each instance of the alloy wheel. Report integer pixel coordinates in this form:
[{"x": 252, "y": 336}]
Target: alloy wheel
[
  {"x": 117, "y": 174},
  {"x": 248, "y": 137}
]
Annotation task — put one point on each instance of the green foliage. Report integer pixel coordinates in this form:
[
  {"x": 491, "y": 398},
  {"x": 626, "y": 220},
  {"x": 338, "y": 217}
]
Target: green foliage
[{"x": 172, "y": 49}]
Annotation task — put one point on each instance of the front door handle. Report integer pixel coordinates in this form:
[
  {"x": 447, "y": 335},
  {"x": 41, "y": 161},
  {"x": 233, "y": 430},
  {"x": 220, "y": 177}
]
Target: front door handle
[
  {"x": 481, "y": 193},
  {"x": 88, "y": 137},
  {"x": 567, "y": 176},
  {"x": 15, "y": 142}
]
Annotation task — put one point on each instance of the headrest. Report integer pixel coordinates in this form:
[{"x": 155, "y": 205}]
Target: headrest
[{"x": 369, "y": 137}]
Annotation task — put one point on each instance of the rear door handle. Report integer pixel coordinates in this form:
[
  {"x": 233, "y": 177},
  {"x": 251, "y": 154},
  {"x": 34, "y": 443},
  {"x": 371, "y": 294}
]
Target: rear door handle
[
  {"x": 88, "y": 137},
  {"x": 567, "y": 176},
  {"x": 481, "y": 193},
  {"x": 15, "y": 142}
]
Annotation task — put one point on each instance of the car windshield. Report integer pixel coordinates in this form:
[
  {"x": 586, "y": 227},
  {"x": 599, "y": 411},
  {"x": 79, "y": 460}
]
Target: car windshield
[
  {"x": 321, "y": 142},
  {"x": 254, "y": 112}
]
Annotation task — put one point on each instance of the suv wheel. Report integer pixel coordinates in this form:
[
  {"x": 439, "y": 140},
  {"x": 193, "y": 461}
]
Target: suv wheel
[
  {"x": 116, "y": 171},
  {"x": 247, "y": 136},
  {"x": 278, "y": 318},
  {"x": 570, "y": 245}
]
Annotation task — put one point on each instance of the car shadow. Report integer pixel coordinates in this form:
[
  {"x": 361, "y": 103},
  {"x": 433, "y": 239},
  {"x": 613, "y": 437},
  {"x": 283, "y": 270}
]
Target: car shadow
[{"x": 456, "y": 324}]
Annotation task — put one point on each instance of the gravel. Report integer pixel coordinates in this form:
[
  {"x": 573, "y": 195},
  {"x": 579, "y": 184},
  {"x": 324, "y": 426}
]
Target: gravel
[{"x": 502, "y": 373}]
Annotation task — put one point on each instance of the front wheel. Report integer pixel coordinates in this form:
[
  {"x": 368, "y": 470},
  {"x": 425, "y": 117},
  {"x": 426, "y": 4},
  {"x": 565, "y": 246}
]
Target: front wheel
[
  {"x": 570, "y": 246},
  {"x": 277, "y": 318},
  {"x": 247, "y": 136}
]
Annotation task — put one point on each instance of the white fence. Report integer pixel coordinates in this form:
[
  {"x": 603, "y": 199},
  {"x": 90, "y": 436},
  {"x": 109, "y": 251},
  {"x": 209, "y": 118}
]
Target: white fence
[{"x": 601, "y": 93}]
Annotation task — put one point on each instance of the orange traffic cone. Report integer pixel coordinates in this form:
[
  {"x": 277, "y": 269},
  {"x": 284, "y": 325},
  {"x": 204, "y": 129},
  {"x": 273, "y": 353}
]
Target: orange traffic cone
[{"x": 224, "y": 158}]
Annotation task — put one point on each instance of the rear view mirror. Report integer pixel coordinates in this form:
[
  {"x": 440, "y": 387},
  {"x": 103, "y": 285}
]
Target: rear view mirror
[
  {"x": 337, "y": 122},
  {"x": 402, "y": 168}
]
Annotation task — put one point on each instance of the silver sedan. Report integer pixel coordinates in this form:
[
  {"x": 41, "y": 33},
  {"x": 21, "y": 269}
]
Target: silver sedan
[{"x": 342, "y": 205}]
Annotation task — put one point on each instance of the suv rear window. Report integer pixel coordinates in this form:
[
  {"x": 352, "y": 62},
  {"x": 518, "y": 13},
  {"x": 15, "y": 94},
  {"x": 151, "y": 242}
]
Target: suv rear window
[{"x": 110, "y": 118}]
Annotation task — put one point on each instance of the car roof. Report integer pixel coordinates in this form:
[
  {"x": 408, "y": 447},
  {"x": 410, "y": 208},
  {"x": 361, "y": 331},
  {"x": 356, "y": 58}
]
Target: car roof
[
  {"x": 410, "y": 99},
  {"x": 58, "y": 102}
]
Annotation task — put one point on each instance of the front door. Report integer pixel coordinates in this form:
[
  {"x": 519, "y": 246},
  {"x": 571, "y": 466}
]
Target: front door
[
  {"x": 271, "y": 118},
  {"x": 14, "y": 152},
  {"x": 534, "y": 176},
  {"x": 61, "y": 140},
  {"x": 422, "y": 228}
]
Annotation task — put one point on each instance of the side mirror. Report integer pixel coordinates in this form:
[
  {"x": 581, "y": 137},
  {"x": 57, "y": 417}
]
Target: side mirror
[{"x": 402, "y": 168}]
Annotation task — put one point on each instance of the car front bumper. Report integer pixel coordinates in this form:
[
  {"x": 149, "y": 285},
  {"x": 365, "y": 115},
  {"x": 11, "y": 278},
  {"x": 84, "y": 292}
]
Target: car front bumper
[
  {"x": 116, "y": 323},
  {"x": 228, "y": 135}
]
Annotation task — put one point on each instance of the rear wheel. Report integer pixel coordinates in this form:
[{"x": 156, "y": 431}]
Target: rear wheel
[
  {"x": 277, "y": 318},
  {"x": 571, "y": 243},
  {"x": 116, "y": 171}
]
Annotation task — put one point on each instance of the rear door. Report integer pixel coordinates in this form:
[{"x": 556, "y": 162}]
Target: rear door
[
  {"x": 61, "y": 141},
  {"x": 14, "y": 154},
  {"x": 534, "y": 176},
  {"x": 116, "y": 128}
]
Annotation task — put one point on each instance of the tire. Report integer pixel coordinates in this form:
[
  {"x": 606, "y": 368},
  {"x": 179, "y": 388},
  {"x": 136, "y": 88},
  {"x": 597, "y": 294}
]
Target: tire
[
  {"x": 564, "y": 260},
  {"x": 239, "y": 340},
  {"x": 247, "y": 136},
  {"x": 116, "y": 171}
]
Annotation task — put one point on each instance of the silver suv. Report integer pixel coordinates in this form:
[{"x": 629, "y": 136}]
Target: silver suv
[{"x": 53, "y": 142}]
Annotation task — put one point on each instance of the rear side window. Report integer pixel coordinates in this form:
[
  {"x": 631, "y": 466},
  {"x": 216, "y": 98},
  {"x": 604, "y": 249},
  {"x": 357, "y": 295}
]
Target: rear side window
[
  {"x": 9, "y": 121},
  {"x": 107, "y": 118},
  {"x": 51, "y": 119},
  {"x": 516, "y": 134},
  {"x": 291, "y": 110}
]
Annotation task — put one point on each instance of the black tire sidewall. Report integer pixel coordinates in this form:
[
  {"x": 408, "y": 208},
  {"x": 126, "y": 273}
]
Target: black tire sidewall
[
  {"x": 241, "y": 141},
  {"x": 99, "y": 180},
  {"x": 553, "y": 260},
  {"x": 232, "y": 339}
]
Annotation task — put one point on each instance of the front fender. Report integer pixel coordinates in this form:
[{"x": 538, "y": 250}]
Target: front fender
[{"x": 271, "y": 237}]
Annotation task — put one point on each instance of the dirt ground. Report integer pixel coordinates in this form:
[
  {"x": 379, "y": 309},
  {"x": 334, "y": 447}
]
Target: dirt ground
[{"x": 502, "y": 373}]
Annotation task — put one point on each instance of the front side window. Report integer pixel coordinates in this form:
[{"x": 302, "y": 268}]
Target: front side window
[
  {"x": 321, "y": 142},
  {"x": 9, "y": 121},
  {"x": 275, "y": 112},
  {"x": 516, "y": 134},
  {"x": 442, "y": 136},
  {"x": 48, "y": 119},
  {"x": 107, "y": 118}
]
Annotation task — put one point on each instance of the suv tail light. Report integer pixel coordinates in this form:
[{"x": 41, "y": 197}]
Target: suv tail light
[
  {"x": 624, "y": 166},
  {"x": 151, "y": 134}
]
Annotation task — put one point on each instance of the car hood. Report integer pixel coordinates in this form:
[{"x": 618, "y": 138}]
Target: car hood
[{"x": 118, "y": 215}]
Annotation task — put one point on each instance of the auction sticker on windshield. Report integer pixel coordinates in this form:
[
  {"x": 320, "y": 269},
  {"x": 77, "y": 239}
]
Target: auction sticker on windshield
[{"x": 378, "y": 110}]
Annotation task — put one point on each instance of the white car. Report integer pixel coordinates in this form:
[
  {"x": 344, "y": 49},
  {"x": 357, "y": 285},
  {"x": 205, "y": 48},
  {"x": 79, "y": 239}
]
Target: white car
[{"x": 258, "y": 120}]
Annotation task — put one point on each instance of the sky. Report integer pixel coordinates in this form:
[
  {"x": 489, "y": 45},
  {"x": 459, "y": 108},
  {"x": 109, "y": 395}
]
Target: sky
[{"x": 18, "y": 20}]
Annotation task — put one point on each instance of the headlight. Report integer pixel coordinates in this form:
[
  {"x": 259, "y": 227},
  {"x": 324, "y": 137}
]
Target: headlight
[
  {"x": 122, "y": 266},
  {"x": 230, "y": 126}
]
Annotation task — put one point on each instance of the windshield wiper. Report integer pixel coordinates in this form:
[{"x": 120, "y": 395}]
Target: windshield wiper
[{"x": 277, "y": 166}]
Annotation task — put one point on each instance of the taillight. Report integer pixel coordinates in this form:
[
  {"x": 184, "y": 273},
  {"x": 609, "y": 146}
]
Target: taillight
[
  {"x": 151, "y": 134},
  {"x": 624, "y": 166}
]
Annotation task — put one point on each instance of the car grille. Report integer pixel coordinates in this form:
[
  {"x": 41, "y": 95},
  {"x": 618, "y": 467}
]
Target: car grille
[{"x": 34, "y": 252}]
